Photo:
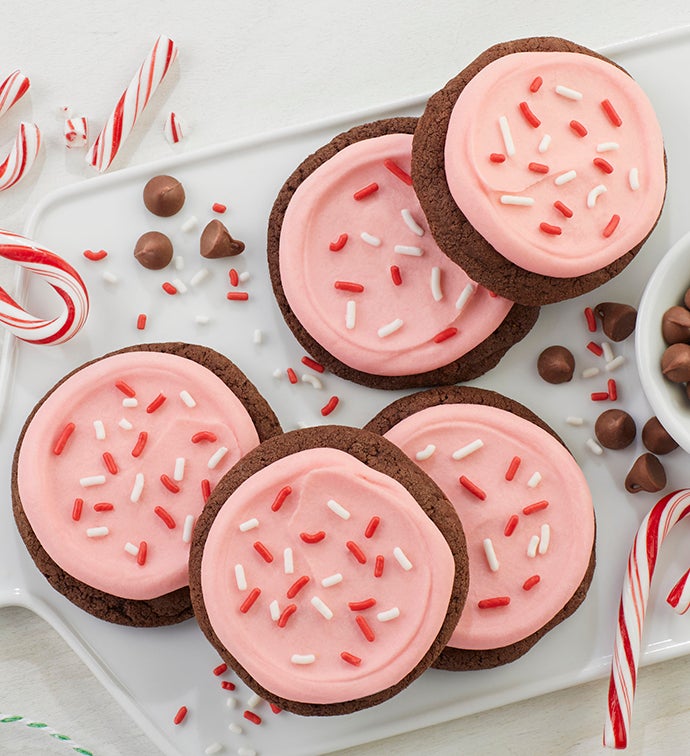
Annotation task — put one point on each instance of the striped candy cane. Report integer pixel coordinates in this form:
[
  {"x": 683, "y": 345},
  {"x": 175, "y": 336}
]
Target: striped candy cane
[
  {"x": 132, "y": 103},
  {"x": 21, "y": 156},
  {"x": 679, "y": 597},
  {"x": 12, "y": 90},
  {"x": 60, "y": 275},
  {"x": 626, "y": 653}
]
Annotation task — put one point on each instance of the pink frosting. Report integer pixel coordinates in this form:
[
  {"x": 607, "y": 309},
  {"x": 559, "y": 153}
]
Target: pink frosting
[
  {"x": 591, "y": 238},
  {"x": 322, "y": 209},
  {"x": 265, "y": 649},
  {"x": 50, "y": 483},
  {"x": 568, "y": 516}
]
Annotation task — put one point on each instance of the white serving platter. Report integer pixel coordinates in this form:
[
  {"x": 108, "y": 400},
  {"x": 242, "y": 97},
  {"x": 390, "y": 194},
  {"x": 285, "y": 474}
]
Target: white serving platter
[{"x": 153, "y": 672}]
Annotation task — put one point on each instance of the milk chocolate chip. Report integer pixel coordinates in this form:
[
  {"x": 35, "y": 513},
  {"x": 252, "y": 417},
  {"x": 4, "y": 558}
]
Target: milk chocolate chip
[
  {"x": 556, "y": 364},
  {"x": 656, "y": 438},
  {"x": 153, "y": 250},
  {"x": 164, "y": 196},
  {"x": 675, "y": 363},
  {"x": 675, "y": 325},
  {"x": 217, "y": 242},
  {"x": 617, "y": 320},
  {"x": 615, "y": 429},
  {"x": 646, "y": 474}
]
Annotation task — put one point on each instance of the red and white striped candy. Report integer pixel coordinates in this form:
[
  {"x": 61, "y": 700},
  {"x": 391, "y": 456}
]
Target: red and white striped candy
[
  {"x": 626, "y": 653},
  {"x": 679, "y": 596},
  {"x": 76, "y": 132},
  {"x": 132, "y": 103},
  {"x": 56, "y": 272},
  {"x": 12, "y": 90},
  {"x": 173, "y": 128},
  {"x": 21, "y": 156}
]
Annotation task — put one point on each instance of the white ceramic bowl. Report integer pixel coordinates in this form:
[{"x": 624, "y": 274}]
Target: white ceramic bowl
[{"x": 665, "y": 288}]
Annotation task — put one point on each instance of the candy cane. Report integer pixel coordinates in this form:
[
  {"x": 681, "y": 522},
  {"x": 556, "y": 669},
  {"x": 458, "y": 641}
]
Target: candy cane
[
  {"x": 21, "y": 156},
  {"x": 132, "y": 103},
  {"x": 679, "y": 597},
  {"x": 12, "y": 89},
  {"x": 626, "y": 653},
  {"x": 60, "y": 275}
]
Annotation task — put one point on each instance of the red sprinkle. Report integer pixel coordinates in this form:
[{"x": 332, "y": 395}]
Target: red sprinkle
[
  {"x": 492, "y": 603},
  {"x": 578, "y": 128},
  {"x": 263, "y": 551},
  {"x": 156, "y": 403},
  {"x": 395, "y": 275},
  {"x": 365, "y": 191},
  {"x": 603, "y": 165},
  {"x": 275, "y": 709},
  {"x": 94, "y": 256},
  {"x": 220, "y": 669},
  {"x": 238, "y": 296},
  {"x": 205, "y": 489},
  {"x": 599, "y": 396},
  {"x": 591, "y": 320},
  {"x": 611, "y": 113},
  {"x": 536, "y": 507},
  {"x": 141, "y": 322},
  {"x": 292, "y": 376},
  {"x": 510, "y": 526},
  {"x": 536, "y": 83},
  {"x": 547, "y": 228},
  {"x": 446, "y": 334},
  {"x": 234, "y": 277},
  {"x": 564, "y": 209},
  {"x": 252, "y": 717},
  {"x": 103, "y": 506},
  {"x": 170, "y": 484},
  {"x": 280, "y": 498},
  {"x": 531, "y": 119},
  {"x": 594, "y": 348},
  {"x": 364, "y": 627},
  {"x": 110, "y": 464},
  {"x": 165, "y": 516},
  {"x": 181, "y": 714},
  {"x": 126, "y": 389},
  {"x": 497, "y": 157},
  {"x": 611, "y": 226},
  {"x": 251, "y": 598},
  {"x": 297, "y": 586},
  {"x": 289, "y": 610},
  {"x": 330, "y": 405},
  {"x": 530, "y": 582},
  {"x": 471, "y": 487},
  {"x": 76, "y": 509},
  {"x": 63, "y": 438},
  {"x": 204, "y": 436},
  {"x": 350, "y": 658},
  {"x": 378, "y": 566},
  {"x": 359, "y": 606},
  {"x": 356, "y": 552},
  {"x": 348, "y": 286},
  {"x": 371, "y": 527},
  {"x": 141, "y": 554},
  {"x": 513, "y": 468},
  {"x": 227, "y": 685},
  {"x": 613, "y": 390},
  {"x": 140, "y": 444},
  {"x": 217, "y": 207},
  {"x": 396, "y": 170},
  {"x": 312, "y": 537},
  {"x": 338, "y": 244},
  {"x": 313, "y": 364},
  {"x": 168, "y": 288},
  {"x": 538, "y": 168}
]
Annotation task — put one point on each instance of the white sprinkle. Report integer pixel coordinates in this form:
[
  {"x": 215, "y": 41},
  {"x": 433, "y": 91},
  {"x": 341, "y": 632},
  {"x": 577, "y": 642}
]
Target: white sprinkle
[
  {"x": 97, "y": 532},
  {"x": 545, "y": 538},
  {"x": 244, "y": 751},
  {"x": 390, "y": 328},
  {"x": 507, "y": 136},
  {"x": 231, "y": 702},
  {"x": 178, "y": 262},
  {"x": 249, "y": 525},
  {"x": 590, "y": 372},
  {"x": 593, "y": 194},
  {"x": 615, "y": 363},
  {"x": 303, "y": 658},
  {"x": 274, "y": 609},
  {"x": 99, "y": 429},
  {"x": 402, "y": 559},
  {"x": 512, "y": 199},
  {"x": 110, "y": 277},
  {"x": 277, "y": 373},
  {"x": 420, "y": 456},
  {"x": 436, "y": 290},
  {"x": 312, "y": 380},
  {"x": 634, "y": 179},
  {"x": 201, "y": 275},
  {"x": 190, "y": 223},
  {"x": 338, "y": 509},
  {"x": 254, "y": 700},
  {"x": 332, "y": 580},
  {"x": 216, "y": 457},
  {"x": 532, "y": 546},
  {"x": 412, "y": 223},
  {"x": 490, "y": 554},
  {"x": 607, "y": 146},
  {"x": 573, "y": 420},
  {"x": 350, "y": 314},
  {"x": 468, "y": 449},
  {"x": 258, "y": 336},
  {"x": 371, "y": 239},
  {"x": 545, "y": 143},
  {"x": 178, "y": 474},
  {"x": 137, "y": 488},
  {"x": 130, "y": 548},
  {"x": 288, "y": 564},
  {"x": 607, "y": 351},
  {"x": 201, "y": 319},
  {"x": 213, "y": 748},
  {"x": 187, "y": 398},
  {"x": 594, "y": 447},
  {"x": 388, "y": 615},
  {"x": 465, "y": 296},
  {"x": 321, "y": 607},
  {"x": 535, "y": 480},
  {"x": 571, "y": 94},
  {"x": 404, "y": 249},
  {"x": 187, "y": 528},
  {"x": 130, "y": 401},
  {"x": 564, "y": 178},
  {"x": 244, "y": 276},
  {"x": 235, "y": 729},
  {"x": 125, "y": 424},
  {"x": 92, "y": 480}
]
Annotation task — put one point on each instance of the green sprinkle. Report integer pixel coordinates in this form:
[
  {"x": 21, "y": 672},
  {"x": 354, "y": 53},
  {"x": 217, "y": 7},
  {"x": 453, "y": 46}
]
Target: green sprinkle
[
  {"x": 84, "y": 751},
  {"x": 11, "y": 719},
  {"x": 37, "y": 725},
  {"x": 58, "y": 736}
]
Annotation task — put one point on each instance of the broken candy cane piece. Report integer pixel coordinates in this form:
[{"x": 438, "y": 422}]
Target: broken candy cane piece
[
  {"x": 21, "y": 156},
  {"x": 12, "y": 90},
  {"x": 173, "y": 128},
  {"x": 76, "y": 132}
]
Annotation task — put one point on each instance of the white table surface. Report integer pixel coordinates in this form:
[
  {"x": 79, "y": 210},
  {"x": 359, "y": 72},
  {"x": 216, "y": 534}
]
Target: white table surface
[{"x": 246, "y": 68}]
